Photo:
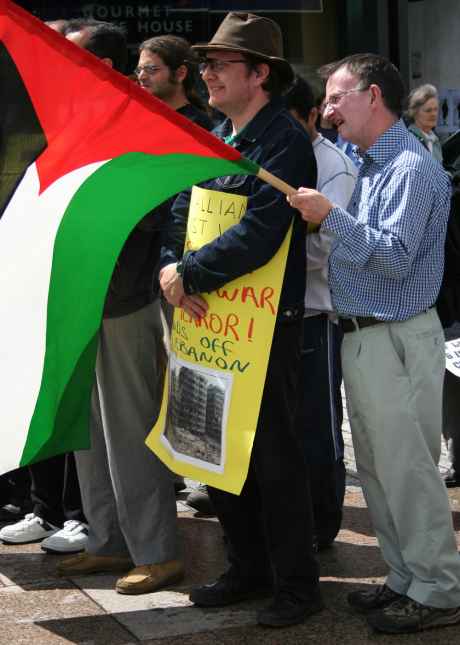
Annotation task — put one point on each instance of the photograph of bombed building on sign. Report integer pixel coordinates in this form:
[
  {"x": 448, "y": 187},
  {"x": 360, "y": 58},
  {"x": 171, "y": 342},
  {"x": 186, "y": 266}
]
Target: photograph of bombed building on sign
[{"x": 197, "y": 412}]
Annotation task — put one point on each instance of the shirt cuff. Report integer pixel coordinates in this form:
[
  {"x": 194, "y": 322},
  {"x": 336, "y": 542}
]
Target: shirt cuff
[
  {"x": 187, "y": 271},
  {"x": 339, "y": 222}
]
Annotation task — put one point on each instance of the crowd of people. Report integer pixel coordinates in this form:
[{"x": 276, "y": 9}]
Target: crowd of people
[{"x": 363, "y": 271}]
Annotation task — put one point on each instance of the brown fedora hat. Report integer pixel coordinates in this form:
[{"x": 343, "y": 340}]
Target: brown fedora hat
[{"x": 250, "y": 34}]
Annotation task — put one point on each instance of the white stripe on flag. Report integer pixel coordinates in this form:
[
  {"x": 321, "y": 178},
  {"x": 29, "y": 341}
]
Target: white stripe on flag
[{"x": 28, "y": 230}]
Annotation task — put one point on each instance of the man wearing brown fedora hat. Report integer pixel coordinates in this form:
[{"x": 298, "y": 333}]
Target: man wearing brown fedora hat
[{"x": 269, "y": 525}]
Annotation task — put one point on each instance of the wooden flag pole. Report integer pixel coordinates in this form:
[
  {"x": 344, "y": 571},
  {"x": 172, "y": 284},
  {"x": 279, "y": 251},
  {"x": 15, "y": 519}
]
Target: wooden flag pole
[
  {"x": 277, "y": 183},
  {"x": 285, "y": 188}
]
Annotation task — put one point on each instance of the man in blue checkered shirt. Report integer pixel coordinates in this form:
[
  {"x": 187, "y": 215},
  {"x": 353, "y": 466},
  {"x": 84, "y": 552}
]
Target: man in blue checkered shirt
[{"x": 385, "y": 270}]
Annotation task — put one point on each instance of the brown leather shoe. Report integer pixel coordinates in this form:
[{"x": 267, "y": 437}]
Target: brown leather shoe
[
  {"x": 150, "y": 577},
  {"x": 84, "y": 563}
]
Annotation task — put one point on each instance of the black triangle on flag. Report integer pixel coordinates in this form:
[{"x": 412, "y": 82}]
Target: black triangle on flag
[{"x": 21, "y": 136}]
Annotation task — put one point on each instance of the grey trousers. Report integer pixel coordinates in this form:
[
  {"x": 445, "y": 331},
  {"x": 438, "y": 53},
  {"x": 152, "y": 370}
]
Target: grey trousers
[
  {"x": 393, "y": 375},
  {"x": 127, "y": 493}
]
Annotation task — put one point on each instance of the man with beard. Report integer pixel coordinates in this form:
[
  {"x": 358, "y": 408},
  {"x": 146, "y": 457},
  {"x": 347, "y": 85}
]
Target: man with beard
[{"x": 166, "y": 70}]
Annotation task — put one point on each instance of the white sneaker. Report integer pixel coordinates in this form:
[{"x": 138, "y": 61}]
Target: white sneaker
[
  {"x": 70, "y": 539},
  {"x": 31, "y": 529}
]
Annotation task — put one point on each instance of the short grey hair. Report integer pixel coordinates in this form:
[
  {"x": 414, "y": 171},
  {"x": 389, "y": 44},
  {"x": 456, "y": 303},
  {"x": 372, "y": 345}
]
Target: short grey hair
[{"x": 418, "y": 97}]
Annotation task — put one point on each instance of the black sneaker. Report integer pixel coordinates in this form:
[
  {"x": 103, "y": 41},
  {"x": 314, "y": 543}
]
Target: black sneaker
[
  {"x": 406, "y": 615},
  {"x": 228, "y": 589},
  {"x": 199, "y": 500},
  {"x": 287, "y": 609},
  {"x": 372, "y": 599}
]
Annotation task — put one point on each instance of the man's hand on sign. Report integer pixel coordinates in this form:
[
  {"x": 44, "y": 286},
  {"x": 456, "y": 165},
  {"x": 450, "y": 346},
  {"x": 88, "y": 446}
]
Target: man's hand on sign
[
  {"x": 173, "y": 288},
  {"x": 313, "y": 206},
  {"x": 195, "y": 306}
]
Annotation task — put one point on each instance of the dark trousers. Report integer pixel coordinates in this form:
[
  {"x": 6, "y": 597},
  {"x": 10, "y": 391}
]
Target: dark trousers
[
  {"x": 55, "y": 491},
  {"x": 15, "y": 487},
  {"x": 319, "y": 422},
  {"x": 269, "y": 525}
]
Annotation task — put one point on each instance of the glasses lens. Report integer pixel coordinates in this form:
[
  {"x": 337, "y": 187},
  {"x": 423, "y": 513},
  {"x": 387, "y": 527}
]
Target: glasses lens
[
  {"x": 335, "y": 98},
  {"x": 212, "y": 65}
]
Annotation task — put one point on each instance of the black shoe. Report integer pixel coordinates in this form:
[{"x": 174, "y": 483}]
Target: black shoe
[
  {"x": 15, "y": 509},
  {"x": 452, "y": 479},
  {"x": 372, "y": 599},
  {"x": 199, "y": 500},
  {"x": 228, "y": 589},
  {"x": 287, "y": 609},
  {"x": 11, "y": 513},
  {"x": 405, "y": 616}
]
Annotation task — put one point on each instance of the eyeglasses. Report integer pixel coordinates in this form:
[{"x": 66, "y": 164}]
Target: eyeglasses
[
  {"x": 217, "y": 65},
  {"x": 336, "y": 98},
  {"x": 148, "y": 69}
]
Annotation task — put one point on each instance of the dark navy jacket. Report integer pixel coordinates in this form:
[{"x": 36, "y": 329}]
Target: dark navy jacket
[{"x": 275, "y": 141}]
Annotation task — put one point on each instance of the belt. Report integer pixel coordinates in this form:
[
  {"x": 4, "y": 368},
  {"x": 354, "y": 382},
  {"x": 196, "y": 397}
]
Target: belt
[{"x": 351, "y": 324}]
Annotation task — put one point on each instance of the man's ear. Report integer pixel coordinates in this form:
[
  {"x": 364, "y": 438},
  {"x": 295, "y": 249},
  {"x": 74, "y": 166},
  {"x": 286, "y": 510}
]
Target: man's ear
[
  {"x": 376, "y": 92},
  {"x": 107, "y": 61},
  {"x": 262, "y": 71}
]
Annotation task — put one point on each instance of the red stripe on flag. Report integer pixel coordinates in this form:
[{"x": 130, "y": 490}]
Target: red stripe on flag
[{"x": 88, "y": 111}]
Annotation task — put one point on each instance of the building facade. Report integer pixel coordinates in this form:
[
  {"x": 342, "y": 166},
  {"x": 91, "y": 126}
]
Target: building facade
[
  {"x": 315, "y": 31},
  {"x": 419, "y": 36}
]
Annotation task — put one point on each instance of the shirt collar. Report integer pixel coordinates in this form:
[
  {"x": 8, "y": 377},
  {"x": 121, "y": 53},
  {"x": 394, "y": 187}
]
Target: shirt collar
[
  {"x": 318, "y": 140},
  {"x": 430, "y": 136},
  {"x": 256, "y": 127},
  {"x": 386, "y": 145}
]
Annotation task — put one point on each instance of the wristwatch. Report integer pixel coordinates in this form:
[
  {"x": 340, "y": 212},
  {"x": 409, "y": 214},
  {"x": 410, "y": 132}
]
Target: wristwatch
[{"x": 180, "y": 268}]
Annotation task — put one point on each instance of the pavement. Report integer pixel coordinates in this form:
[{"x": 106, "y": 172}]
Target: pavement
[{"x": 39, "y": 608}]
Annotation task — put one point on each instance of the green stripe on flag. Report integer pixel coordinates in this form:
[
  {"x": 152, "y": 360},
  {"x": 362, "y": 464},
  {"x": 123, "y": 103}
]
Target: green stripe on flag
[{"x": 91, "y": 235}]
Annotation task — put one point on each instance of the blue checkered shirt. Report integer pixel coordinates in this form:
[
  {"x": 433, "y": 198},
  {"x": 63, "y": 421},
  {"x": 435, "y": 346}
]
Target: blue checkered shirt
[{"x": 388, "y": 257}]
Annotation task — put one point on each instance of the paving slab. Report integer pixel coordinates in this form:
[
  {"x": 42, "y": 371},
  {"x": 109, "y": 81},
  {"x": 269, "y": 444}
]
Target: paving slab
[
  {"x": 52, "y": 613},
  {"x": 27, "y": 565},
  {"x": 327, "y": 628},
  {"x": 179, "y": 618}
]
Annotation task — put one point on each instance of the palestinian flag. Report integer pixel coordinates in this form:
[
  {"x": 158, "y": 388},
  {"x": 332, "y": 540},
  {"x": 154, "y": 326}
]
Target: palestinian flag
[{"x": 84, "y": 155}]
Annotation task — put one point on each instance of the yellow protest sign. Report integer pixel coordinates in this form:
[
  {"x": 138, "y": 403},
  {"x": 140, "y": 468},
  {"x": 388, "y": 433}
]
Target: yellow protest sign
[{"x": 217, "y": 366}]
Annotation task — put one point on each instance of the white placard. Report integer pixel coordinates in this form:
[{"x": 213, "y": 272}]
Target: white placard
[{"x": 453, "y": 356}]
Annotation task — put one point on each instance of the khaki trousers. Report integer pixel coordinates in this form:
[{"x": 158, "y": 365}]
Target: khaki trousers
[{"x": 393, "y": 375}]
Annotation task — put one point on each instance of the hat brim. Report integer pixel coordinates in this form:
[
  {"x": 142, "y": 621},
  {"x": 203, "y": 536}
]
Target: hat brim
[{"x": 284, "y": 68}]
